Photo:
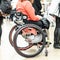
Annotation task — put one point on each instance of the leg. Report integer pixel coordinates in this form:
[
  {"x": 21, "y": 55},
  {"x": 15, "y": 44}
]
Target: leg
[{"x": 57, "y": 34}]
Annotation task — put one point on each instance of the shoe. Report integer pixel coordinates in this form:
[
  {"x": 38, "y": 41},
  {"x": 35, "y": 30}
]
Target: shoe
[{"x": 57, "y": 46}]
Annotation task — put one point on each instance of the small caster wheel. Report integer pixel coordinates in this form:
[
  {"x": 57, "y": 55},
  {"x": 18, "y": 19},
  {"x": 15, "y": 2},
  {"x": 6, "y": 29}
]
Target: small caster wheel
[{"x": 46, "y": 52}]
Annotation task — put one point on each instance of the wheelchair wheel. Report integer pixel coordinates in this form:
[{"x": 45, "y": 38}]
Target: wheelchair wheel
[
  {"x": 20, "y": 40},
  {"x": 11, "y": 34}
]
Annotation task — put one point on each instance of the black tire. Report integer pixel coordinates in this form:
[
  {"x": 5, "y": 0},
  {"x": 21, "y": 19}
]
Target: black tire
[
  {"x": 10, "y": 35},
  {"x": 15, "y": 40},
  {"x": 11, "y": 39}
]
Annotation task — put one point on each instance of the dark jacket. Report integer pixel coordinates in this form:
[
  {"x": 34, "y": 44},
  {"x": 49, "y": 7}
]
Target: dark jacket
[{"x": 37, "y": 5}]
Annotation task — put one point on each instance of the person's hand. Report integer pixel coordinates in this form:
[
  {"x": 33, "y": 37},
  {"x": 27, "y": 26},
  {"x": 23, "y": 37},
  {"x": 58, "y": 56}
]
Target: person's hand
[{"x": 40, "y": 17}]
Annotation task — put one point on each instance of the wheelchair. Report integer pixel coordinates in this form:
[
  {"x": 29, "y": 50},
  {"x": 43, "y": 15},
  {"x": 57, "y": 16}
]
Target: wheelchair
[{"x": 29, "y": 39}]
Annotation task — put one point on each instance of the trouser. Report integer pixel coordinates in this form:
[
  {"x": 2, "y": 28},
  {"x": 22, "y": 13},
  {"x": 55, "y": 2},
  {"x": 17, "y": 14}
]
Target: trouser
[{"x": 57, "y": 31}]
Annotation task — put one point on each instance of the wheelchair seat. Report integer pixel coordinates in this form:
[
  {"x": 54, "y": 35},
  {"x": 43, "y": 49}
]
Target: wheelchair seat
[{"x": 18, "y": 17}]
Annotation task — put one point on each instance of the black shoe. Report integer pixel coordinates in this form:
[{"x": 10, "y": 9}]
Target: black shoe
[{"x": 57, "y": 46}]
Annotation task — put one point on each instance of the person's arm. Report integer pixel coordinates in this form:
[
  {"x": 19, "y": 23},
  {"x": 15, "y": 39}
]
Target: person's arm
[{"x": 31, "y": 13}]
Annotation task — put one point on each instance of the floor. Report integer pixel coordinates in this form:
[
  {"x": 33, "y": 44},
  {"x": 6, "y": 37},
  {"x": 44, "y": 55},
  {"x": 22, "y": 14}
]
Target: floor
[{"x": 7, "y": 52}]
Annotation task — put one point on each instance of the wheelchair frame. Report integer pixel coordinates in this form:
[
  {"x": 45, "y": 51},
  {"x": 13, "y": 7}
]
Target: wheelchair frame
[{"x": 19, "y": 26}]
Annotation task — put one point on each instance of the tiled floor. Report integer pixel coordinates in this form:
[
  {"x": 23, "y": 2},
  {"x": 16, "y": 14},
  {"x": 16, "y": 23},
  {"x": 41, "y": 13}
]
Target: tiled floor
[{"x": 7, "y": 52}]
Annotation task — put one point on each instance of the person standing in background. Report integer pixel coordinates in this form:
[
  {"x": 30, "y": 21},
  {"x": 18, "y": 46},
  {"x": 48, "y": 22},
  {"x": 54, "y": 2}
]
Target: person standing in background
[
  {"x": 55, "y": 16},
  {"x": 5, "y": 9}
]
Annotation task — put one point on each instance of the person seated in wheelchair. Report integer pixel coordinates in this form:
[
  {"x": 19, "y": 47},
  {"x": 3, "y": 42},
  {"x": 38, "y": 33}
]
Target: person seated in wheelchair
[{"x": 26, "y": 8}]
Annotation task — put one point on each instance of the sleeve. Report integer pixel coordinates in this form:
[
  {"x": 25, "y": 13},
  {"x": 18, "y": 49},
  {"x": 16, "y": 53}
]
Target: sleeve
[
  {"x": 54, "y": 10},
  {"x": 30, "y": 11},
  {"x": 0, "y": 1}
]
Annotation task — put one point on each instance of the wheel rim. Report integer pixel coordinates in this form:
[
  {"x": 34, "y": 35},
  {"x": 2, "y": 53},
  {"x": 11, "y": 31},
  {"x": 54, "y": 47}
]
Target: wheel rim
[{"x": 23, "y": 53}]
